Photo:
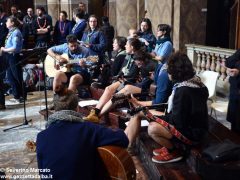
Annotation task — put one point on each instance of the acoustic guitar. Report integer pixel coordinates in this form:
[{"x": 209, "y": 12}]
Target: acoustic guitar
[
  {"x": 115, "y": 163},
  {"x": 50, "y": 62}
]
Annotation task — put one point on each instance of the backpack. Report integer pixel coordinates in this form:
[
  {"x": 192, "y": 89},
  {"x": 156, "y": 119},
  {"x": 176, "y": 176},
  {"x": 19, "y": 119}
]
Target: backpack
[
  {"x": 220, "y": 161},
  {"x": 30, "y": 77}
]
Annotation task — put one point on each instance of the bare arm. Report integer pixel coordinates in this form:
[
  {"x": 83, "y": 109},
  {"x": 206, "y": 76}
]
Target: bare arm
[{"x": 56, "y": 56}]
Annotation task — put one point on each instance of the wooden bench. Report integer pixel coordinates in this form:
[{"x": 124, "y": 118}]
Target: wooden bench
[{"x": 186, "y": 169}]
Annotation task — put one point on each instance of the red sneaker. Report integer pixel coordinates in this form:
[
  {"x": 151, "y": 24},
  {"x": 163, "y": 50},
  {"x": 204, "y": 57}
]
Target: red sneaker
[
  {"x": 167, "y": 158},
  {"x": 161, "y": 151}
]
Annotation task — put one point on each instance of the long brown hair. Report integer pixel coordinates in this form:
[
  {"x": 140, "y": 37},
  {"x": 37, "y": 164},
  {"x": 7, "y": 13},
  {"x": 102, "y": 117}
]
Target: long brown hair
[{"x": 93, "y": 16}]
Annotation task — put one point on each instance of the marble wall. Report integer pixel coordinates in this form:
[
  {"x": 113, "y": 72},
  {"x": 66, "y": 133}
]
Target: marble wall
[
  {"x": 187, "y": 18},
  {"x": 112, "y": 13},
  {"x": 193, "y": 20},
  {"x": 126, "y": 16},
  {"x": 159, "y": 11}
]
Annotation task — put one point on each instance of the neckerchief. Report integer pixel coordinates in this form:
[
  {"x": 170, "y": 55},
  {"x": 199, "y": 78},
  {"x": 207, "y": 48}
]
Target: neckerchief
[
  {"x": 195, "y": 82},
  {"x": 163, "y": 40},
  {"x": 90, "y": 33}
]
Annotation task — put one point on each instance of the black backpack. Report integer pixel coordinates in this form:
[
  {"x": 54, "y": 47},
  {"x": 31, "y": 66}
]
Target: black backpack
[{"x": 220, "y": 161}]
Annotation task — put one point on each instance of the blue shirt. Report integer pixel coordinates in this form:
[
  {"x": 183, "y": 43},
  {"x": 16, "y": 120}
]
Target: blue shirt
[
  {"x": 150, "y": 38},
  {"x": 14, "y": 40},
  {"x": 164, "y": 50},
  {"x": 164, "y": 86},
  {"x": 81, "y": 52},
  {"x": 97, "y": 41}
]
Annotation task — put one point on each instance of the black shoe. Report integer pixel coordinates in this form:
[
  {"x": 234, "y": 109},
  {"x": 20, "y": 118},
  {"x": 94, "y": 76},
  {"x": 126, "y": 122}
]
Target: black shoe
[{"x": 2, "y": 107}]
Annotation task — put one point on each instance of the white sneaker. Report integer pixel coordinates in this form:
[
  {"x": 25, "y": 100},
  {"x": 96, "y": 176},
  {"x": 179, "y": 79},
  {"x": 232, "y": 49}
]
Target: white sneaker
[{"x": 14, "y": 101}]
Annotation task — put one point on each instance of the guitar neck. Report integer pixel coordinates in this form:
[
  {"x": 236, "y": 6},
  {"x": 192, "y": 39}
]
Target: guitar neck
[
  {"x": 89, "y": 58},
  {"x": 75, "y": 61}
]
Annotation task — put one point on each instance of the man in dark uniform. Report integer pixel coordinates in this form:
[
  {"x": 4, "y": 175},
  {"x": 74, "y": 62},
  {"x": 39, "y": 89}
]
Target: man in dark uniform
[{"x": 233, "y": 70}]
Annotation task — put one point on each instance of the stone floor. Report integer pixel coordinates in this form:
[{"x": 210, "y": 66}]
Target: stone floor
[{"x": 15, "y": 159}]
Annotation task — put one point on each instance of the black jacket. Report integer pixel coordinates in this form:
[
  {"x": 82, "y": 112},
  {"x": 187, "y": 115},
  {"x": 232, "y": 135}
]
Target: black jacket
[
  {"x": 108, "y": 31},
  {"x": 189, "y": 114},
  {"x": 234, "y": 62}
]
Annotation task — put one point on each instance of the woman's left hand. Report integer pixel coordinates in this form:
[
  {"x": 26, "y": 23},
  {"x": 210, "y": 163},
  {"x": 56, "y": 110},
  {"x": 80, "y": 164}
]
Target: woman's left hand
[{"x": 232, "y": 72}]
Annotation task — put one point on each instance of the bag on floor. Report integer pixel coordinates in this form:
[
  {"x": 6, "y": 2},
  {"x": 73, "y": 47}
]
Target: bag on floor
[{"x": 220, "y": 161}]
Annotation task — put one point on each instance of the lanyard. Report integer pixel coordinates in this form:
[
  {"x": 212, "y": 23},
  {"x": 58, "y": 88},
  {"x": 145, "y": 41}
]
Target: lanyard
[{"x": 8, "y": 35}]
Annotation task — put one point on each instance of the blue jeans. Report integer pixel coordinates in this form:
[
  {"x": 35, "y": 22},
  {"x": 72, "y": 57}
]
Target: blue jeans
[
  {"x": 2, "y": 76},
  {"x": 15, "y": 75}
]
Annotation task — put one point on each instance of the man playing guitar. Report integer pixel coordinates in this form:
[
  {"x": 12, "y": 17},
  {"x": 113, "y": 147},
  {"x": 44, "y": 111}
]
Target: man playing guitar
[{"x": 78, "y": 74}]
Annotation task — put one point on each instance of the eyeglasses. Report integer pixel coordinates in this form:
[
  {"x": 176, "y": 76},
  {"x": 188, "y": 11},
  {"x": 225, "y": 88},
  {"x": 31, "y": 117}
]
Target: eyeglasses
[{"x": 161, "y": 29}]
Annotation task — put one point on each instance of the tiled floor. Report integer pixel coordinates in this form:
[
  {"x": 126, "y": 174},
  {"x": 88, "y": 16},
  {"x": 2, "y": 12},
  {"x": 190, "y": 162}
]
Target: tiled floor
[{"x": 13, "y": 152}]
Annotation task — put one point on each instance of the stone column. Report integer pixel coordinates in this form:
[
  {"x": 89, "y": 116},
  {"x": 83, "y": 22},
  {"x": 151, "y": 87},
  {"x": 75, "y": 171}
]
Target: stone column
[
  {"x": 40, "y": 3},
  {"x": 126, "y": 16},
  {"x": 140, "y": 11},
  {"x": 112, "y": 13},
  {"x": 53, "y": 9}
]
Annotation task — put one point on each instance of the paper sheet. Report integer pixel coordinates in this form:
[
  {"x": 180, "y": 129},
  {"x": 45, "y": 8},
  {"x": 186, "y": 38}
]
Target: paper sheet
[
  {"x": 87, "y": 103},
  {"x": 144, "y": 123}
]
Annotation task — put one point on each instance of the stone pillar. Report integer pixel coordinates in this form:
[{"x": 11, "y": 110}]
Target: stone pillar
[
  {"x": 65, "y": 6},
  {"x": 112, "y": 13},
  {"x": 140, "y": 11},
  {"x": 40, "y": 3},
  {"x": 176, "y": 25},
  {"x": 71, "y": 4},
  {"x": 126, "y": 16},
  {"x": 53, "y": 9}
]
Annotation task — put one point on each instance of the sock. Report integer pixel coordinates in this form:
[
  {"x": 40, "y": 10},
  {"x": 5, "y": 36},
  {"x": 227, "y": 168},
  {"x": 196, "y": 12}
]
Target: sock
[
  {"x": 171, "y": 149},
  {"x": 97, "y": 111}
]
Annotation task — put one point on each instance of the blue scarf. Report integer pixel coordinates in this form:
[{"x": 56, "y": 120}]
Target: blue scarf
[{"x": 163, "y": 40}]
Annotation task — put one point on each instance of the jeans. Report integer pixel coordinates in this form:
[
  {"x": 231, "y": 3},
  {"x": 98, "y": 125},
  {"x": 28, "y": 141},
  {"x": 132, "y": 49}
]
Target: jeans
[
  {"x": 15, "y": 75},
  {"x": 2, "y": 76}
]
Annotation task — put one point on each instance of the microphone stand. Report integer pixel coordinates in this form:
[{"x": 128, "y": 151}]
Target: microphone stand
[
  {"x": 25, "y": 121},
  {"x": 44, "y": 83}
]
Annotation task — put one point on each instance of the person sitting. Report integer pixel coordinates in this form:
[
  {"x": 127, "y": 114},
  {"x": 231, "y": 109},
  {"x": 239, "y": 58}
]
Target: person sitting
[
  {"x": 142, "y": 86},
  {"x": 108, "y": 70},
  {"x": 129, "y": 69},
  {"x": 132, "y": 33},
  {"x": 67, "y": 148},
  {"x": 62, "y": 28},
  {"x": 186, "y": 119},
  {"x": 94, "y": 39},
  {"x": 79, "y": 73},
  {"x": 119, "y": 44},
  {"x": 146, "y": 35}
]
